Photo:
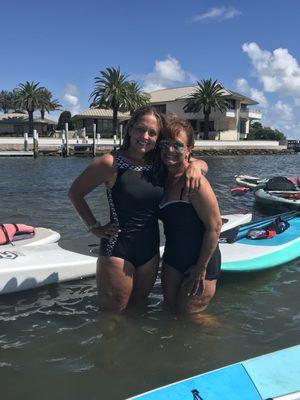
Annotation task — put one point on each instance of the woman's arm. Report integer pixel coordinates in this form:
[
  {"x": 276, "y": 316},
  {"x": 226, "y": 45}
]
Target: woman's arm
[
  {"x": 101, "y": 171},
  {"x": 207, "y": 208}
]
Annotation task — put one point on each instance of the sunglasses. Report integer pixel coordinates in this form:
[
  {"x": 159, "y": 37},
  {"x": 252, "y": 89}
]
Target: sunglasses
[
  {"x": 141, "y": 130},
  {"x": 177, "y": 146}
]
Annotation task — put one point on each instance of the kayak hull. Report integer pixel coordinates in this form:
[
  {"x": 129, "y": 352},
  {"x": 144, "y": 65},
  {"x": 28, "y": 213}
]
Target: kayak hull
[{"x": 274, "y": 198}]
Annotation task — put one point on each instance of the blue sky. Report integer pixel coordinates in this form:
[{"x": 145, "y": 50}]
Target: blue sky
[{"x": 250, "y": 46}]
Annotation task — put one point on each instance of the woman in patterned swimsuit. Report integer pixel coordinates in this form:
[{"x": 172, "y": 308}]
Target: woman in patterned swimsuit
[{"x": 129, "y": 257}]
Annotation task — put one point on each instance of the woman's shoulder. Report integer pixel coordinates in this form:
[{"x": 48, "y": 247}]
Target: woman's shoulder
[{"x": 106, "y": 160}]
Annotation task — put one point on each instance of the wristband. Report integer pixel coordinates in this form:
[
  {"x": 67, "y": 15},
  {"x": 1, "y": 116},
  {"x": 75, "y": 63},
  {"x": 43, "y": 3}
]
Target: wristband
[{"x": 93, "y": 226}]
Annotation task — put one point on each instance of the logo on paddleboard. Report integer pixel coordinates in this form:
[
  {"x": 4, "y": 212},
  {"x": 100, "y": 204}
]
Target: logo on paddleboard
[
  {"x": 196, "y": 395},
  {"x": 8, "y": 255}
]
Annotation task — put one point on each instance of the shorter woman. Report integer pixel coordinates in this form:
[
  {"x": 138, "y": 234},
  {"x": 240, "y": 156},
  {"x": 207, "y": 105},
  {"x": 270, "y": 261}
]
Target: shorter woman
[{"x": 192, "y": 224}]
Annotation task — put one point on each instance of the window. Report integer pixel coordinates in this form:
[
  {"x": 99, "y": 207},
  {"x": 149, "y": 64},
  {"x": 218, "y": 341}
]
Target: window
[
  {"x": 243, "y": 106},
  {"x": 243, "y": 127},
  {"x": 162, "y": 108},
  {"x": 193, "y": 122},
  {"x": 211, "y": 126},
  {"x": 231, "y": 104},
  {"x": 19, "y": 129},
  {"x": 105, "y": 125}
]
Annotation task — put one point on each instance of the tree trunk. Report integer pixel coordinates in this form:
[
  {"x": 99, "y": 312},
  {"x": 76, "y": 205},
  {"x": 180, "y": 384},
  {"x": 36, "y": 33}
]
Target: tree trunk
[
  {"x": 115, "y": 121},
  {"x": 206, "y": 126},
  {"x": 30, "y": 117},
  {"x": 42, "y": 113}
]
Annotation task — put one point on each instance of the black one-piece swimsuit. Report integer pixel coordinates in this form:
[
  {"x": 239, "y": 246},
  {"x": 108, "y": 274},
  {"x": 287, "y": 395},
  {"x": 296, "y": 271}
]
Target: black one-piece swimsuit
[
  {"x": 134, "y": 203},
  {"x": 184, "y": 233}
]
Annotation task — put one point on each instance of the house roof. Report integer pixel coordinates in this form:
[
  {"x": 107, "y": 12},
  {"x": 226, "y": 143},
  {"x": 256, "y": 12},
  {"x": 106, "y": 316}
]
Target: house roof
[
  {"x": 181, "y": 93},
  {"x": 19, "y": 118},
  {"x": 100, "y": 113}
]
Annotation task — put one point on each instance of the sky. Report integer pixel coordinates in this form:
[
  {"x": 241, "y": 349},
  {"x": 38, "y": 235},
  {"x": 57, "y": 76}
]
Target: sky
[{"x": 252, "y": 47}]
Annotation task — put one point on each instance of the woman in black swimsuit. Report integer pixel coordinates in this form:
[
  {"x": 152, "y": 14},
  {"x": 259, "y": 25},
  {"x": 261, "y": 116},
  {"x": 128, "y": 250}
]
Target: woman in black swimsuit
[
  {"x": 129, "y": 258},
  {"x": 192, "y": 224}
]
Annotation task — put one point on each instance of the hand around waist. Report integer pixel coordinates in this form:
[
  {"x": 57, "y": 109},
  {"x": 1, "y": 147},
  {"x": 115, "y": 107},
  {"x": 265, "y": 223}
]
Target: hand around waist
[{"x": 106, "y": 231}]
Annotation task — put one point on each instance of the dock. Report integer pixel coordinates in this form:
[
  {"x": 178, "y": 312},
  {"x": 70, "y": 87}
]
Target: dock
[
  {"x": 16, "y": 153},
  {"x": 49, "y": 146}
]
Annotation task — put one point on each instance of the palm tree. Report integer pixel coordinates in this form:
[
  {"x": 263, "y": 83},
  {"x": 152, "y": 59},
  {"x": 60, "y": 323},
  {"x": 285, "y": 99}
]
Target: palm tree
[
  {"x": 136, "y": 98},
  {"x": 111, "y": 92},
  {"x": 47, "y": 103},
  {"x": 29, "y": 97},
  {"x": 208, "y": 96},
  {"x": 6, "y": 101}
]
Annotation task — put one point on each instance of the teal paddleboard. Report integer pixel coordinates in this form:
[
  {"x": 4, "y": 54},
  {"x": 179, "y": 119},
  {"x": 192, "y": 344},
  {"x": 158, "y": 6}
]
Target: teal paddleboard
[
  {"x": 246, "y": 255},
  {"x": 275, "y": 375}
]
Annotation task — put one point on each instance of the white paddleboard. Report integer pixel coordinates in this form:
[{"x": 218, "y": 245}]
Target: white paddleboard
[
  {"x": 232, "y": 220},
  {"x": 23, "y": 268},
  {"x": 32, "y": 266},
  {"x": 42, "y": 236}
]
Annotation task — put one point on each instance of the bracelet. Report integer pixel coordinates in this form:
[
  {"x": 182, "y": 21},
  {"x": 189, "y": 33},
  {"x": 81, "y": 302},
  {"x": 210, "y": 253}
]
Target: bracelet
[{"x": 93, "y": 226}]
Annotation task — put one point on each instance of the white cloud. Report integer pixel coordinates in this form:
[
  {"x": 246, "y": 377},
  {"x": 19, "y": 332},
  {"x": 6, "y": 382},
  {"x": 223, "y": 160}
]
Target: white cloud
[
  {"x": 165, "y": 74},
  {"x": 281, "y": 116},
  {"x": 71, "y": 99},
  {"x": 278, "y": 71},
  {"x": 217, "y": 13},
  {"x": 243, "y": 87}
]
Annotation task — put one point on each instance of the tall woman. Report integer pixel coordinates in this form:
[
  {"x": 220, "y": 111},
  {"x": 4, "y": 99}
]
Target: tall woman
[
  {"x": 127, "y": 266},
  {"x": 192, "y": 224}
]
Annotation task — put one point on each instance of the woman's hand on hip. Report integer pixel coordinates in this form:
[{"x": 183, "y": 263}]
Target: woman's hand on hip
[
  {"x": 106, "y": 231},
  {"x": 194, "y": 280}
]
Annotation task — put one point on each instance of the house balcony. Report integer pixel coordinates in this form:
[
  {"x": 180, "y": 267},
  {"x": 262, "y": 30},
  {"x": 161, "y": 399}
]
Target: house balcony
[
  {"x": 250, "y": 113},
  {"x": 230, "y": 113}
]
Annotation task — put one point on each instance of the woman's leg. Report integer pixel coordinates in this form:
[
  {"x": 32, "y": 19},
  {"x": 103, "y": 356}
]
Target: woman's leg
[
  {"x": 144, "y": 279},
  {"x": 115, "y": 277},
  {"x": 198, "y": 303},
  {"x": 171, "y": 280}
]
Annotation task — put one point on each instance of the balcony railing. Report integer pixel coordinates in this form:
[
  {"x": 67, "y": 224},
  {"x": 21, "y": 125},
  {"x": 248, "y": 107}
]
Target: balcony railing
[{"x": 250, "y": 113}]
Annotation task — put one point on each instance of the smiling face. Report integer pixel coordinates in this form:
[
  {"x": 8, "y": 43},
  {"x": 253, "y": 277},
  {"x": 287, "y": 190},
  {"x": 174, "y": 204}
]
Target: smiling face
[
  {"x": 144, "y": 134},
  {"x": 175, "y": 151}
]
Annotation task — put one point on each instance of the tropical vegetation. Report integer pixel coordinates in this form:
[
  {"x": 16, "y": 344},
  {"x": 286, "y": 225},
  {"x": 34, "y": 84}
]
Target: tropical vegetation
[
  {"x": 113, "y": 90},
  {"x": 47, "y": 103},
  {"x": 65, "y": 117},
  {"x": 259, "y": 132},
  {"x": 208, "y": 96}
]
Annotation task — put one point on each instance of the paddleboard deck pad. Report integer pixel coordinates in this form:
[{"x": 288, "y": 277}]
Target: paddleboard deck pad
[{"x": 266, "y": 377}]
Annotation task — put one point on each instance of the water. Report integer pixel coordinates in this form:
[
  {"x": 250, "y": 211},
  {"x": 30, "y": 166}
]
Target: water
[{"x": 55, "y": 343}]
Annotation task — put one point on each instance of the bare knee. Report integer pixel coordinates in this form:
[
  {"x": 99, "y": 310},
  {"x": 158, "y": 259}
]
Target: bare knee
[
  {"x": 197, "y": 304},
  {"x": 194, "y": 306},
  {"x": 114, "y": 283}
]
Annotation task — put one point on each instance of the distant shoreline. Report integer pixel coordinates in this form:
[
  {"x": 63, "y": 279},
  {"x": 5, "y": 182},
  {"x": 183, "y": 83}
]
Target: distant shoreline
[{"x": 242, "y": 152}]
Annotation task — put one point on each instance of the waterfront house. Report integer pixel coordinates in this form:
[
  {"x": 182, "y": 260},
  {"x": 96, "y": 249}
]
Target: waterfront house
[
  {"x": 16, "y": 124},
  {"x": 101, "y": 117},
  {"x": 232, "y": 124}
]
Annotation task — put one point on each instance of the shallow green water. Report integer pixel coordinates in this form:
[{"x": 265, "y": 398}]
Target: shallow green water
[{"x": 56, "y": 343}]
